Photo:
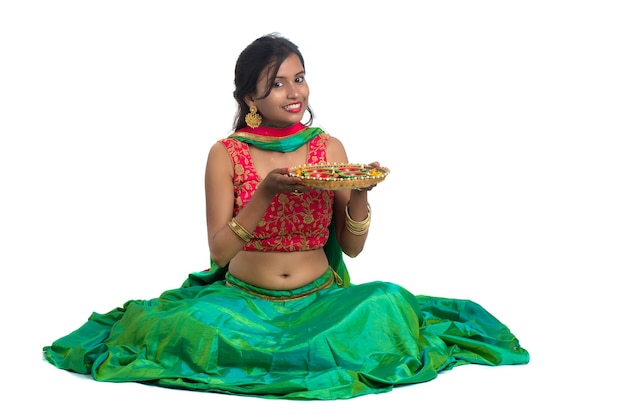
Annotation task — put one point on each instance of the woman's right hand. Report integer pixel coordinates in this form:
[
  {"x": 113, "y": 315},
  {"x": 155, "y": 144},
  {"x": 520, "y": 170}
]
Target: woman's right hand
[{"x": 279, "y": 181}]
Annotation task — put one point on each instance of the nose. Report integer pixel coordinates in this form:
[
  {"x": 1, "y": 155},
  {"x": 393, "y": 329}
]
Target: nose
[{"x": 293, "y": 91}]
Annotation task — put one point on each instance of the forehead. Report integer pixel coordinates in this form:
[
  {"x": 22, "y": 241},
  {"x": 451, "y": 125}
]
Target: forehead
[
  {"x": 290, "y": 66},
  {"x": 292, "y": 61}
]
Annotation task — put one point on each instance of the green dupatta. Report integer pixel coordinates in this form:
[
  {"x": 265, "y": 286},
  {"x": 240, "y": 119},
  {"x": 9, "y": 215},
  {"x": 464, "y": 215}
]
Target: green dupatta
[{"x": 277, "y": 139}]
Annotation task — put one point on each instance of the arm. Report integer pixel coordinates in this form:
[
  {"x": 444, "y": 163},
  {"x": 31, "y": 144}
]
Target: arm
[
  {"x": 224, "y": 244},
  {"x": 354, "y": 200}
]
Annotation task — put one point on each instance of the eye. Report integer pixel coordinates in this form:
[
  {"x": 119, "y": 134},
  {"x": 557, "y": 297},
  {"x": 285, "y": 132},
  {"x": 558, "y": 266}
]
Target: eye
[
  {"x": 278, "y": 83},
  {"x": 300, "y": 79}
]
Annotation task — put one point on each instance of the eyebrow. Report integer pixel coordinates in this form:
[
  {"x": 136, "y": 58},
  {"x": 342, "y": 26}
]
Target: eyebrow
[{"x": 282, "y": 76}]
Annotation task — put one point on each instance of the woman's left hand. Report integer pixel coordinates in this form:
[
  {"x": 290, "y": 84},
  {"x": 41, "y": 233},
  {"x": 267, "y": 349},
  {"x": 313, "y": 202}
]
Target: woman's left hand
[{"x": 374, "y": 164}]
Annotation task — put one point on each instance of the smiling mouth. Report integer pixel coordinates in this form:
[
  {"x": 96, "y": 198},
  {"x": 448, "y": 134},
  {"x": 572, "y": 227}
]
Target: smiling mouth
[{"x": 293, "y": 106}]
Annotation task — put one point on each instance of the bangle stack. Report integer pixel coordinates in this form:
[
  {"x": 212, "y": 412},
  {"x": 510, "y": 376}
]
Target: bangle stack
[
  {"x": 358, "y": 227},
  {"x": 239, "y": 230}
]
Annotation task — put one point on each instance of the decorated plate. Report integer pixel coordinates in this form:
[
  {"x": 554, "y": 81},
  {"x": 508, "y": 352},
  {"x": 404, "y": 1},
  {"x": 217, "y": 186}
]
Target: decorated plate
[{"x": 339, "y": 176}]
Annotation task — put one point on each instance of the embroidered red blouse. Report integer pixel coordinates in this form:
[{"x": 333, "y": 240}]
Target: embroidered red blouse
[{"x": 292, "y": 222}]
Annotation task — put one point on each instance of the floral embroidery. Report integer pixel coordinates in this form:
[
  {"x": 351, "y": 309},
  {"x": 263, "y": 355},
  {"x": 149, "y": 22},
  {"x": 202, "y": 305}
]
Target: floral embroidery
[{"x": 292, "y": 222}]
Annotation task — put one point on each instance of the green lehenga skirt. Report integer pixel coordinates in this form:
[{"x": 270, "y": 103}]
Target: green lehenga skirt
[{"x": 327, "y": 340}]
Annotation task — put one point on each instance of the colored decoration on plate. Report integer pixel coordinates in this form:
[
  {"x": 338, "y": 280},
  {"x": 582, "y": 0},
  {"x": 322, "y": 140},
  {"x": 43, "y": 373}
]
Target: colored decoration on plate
[{"x": 339, "y": 175}]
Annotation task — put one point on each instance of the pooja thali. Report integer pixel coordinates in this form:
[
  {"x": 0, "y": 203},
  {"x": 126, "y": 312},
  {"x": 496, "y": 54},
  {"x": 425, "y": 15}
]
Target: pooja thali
[{"x": 339, "y": 176}]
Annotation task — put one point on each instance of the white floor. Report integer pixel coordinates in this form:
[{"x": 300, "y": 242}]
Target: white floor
[{"x": 502, "y": 123}]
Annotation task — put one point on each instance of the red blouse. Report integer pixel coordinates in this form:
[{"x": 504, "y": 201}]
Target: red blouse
[{"x": 292, "y": 222}]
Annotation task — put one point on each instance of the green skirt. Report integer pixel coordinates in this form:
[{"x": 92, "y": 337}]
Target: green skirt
[{"x": 327, "y": 340}]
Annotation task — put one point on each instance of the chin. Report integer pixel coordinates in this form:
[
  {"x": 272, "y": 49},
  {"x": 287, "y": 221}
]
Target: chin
[{"x": 291, "y": 121}]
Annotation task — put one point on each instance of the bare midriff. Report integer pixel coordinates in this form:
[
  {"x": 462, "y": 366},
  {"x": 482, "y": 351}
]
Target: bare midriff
[{"x": 279, "y": 270}]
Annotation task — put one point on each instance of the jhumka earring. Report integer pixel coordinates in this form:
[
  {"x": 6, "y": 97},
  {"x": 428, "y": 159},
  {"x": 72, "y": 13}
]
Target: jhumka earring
[{"x": 253, "y": 119}]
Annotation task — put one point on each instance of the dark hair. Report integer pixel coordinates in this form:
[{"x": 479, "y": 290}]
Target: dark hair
[{"x": 267, "y": 53}]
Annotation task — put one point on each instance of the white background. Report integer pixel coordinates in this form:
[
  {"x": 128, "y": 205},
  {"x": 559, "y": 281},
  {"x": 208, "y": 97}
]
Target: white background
[{"x": 503, "y": 124}]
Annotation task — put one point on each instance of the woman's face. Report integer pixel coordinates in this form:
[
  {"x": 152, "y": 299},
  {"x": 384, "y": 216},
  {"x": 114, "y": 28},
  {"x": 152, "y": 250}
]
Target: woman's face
[{"x": 288, "y": 98}]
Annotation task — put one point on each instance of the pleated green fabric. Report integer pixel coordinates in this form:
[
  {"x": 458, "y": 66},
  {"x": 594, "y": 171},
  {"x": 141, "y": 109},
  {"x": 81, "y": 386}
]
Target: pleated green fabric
[{"x": 334, "y": 343}]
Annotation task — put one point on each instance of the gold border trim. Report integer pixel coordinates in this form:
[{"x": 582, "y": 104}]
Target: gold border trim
[
  {"x": 260, "y": 138},
  {"x": 324, "y": 285}
]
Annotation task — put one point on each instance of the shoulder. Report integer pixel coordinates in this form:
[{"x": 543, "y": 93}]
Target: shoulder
[
  {"x": 332, "y": 141},
  {"x": 335, "y": 149},
  {"x": 329, "y": 140},
  {"x": 220, "y": 147},
  {"x": 227, "y": 146},
  {"x": 219, "y": 154}
]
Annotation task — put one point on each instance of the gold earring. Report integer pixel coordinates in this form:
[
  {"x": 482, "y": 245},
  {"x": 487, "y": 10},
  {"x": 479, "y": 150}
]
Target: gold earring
[{"x": 253, "y": 119}]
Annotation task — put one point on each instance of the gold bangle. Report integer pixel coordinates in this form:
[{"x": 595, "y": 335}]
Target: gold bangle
[
  {"x": 358, "y": 227},
  {"x": 239, "y": 230}
]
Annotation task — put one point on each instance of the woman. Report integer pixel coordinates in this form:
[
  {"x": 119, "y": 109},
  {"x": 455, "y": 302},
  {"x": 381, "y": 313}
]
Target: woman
[
  {"x": 275, "y": 315},
  {"x": 290, "y": 254}
]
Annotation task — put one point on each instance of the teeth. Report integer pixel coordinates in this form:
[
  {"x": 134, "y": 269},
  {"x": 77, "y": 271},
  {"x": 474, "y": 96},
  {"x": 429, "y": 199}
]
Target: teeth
[{"x": 292, "y": 106}]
